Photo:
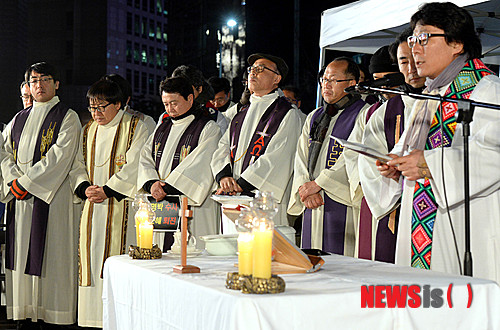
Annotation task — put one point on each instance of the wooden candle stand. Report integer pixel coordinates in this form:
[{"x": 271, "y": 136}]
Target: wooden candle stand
[{"x": 183, "y": 268}]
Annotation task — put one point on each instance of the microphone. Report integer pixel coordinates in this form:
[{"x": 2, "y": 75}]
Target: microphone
[{"x": 389, "y": 80}]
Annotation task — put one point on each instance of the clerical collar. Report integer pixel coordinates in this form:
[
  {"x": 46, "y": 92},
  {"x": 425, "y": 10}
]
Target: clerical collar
[
  {"x": 343, "y": 103},
  {"x": 195, "y": 109},
  {"x": 224, "y": 107}
]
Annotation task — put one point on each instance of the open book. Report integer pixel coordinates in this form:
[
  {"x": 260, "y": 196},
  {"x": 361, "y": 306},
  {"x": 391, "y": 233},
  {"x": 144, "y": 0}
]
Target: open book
[{"x": 363, "y": 149}]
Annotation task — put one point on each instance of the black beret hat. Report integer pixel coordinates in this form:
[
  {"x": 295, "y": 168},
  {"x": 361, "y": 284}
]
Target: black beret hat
[{"x": 381, "y": 61}]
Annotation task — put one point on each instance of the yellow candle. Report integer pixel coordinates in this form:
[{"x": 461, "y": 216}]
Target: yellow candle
[
  {"x": 245, "y": 255},
  {"x": 140, "y": 217},
  {"x": 262, "y": 249},
  {"x": 146, "y": 235}
]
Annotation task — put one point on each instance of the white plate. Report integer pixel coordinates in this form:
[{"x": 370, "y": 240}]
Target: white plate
[{"x": 189, "y": 254}]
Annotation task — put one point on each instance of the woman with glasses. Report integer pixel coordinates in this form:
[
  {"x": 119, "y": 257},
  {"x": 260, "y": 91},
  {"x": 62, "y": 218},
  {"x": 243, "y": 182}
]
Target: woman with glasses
[{"x": 104, "y": 173}]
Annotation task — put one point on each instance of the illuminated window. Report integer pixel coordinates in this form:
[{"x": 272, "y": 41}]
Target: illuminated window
[{"x": 144, "y": 55}]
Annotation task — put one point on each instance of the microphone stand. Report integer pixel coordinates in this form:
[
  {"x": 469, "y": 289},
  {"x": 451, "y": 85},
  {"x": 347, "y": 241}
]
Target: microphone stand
[{"x": 465, "y": 116}]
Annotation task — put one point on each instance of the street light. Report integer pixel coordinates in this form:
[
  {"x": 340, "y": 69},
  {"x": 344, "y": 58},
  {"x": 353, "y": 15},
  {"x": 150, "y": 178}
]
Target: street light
[{"x": 231, "y": 22}]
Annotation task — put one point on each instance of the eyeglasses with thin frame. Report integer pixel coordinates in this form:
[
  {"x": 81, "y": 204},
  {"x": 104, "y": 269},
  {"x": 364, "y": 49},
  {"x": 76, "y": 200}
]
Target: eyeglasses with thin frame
[
  {"x": 256, "y": 69},
  {"x": 422, "y": 38},
  {"x": 42, "y": 80},
  {"x": 25, "y": 97},
  {"x": 99, "y": 108},
  {"x": 325, "y": 81}
]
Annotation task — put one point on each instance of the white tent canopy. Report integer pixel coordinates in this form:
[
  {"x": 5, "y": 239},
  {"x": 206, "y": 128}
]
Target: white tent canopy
[{"x": 366, "y": 25}]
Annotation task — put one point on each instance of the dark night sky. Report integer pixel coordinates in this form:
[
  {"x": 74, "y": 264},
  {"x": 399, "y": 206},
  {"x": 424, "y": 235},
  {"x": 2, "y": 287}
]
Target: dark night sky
[{"x": 270, "y": 27}]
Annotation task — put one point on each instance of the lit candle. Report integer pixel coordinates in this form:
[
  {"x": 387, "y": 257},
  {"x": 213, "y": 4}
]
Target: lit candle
[
  {"x": 245, "y": 255},
  {"x": 140, "y": 217},
  {"x": 146, "y": 235},
  {"x": 262, "y": 249}
]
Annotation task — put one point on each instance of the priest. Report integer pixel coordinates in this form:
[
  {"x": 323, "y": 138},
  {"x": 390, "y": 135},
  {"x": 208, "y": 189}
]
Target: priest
[
  {"x": 378, "y": 240},
  {"x": 104, "y": 174},
  {"x": 321, "y": 187},
  {"x": 256, "y": 152},
  {"x": 427, "y": 168},
  {"x": 41, "y": 248},
  {"x": 176, "y": 158}
]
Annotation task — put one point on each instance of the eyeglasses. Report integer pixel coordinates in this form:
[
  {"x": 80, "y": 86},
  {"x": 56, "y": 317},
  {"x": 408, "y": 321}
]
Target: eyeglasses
[
  {"x": 43, "y": 80},
  {"x": 256, "y": 69},
  {"x": 422, "y": 38},
  {"x": 325, "y": 81},
  {"x": 25, "y": 97},
  {"x": 99, "y": 108}
]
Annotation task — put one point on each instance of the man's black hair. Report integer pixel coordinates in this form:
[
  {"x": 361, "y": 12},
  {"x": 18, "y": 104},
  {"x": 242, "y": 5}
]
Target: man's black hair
[
  {"x": 192, "y": 74},
  {"x": 105, "y": 90},
  {"x": 456, "y": 22},
  {"x": 402, "y": 37},
  {"x": 220, "y": 85},
  {"x": 42, "y": 68},
  {"x": 352, "y": 68},
  {"x": 122, "y": 83},
  {"x": 178, "y": 85}
]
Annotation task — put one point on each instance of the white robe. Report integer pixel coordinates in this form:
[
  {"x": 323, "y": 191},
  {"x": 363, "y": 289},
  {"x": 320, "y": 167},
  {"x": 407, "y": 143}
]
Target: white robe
[
  {"x": 192, "y": 176},
  {"x": 370, "y": 178},
  {"x": 52, "y": 296},
  {"x": 484, "y": 155},
  {"x": 333, "y": 181},
  {"x": 273, "y": 170},
  {"x": 124, "y": 182}
]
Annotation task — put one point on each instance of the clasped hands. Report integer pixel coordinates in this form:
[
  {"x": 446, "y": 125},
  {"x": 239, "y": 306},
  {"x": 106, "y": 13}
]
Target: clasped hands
[
  {"x": 228, "y": 186},
  {"x": 310, "y": 196},
  {"x": 412, "y": 166},
  {"x": 95, "y": 194}
]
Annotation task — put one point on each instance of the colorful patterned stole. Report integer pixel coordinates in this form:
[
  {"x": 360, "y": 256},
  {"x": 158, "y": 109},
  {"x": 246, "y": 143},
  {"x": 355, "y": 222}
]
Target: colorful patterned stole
[
  {"x": 47, "y": 136},
  {"x": 117, "y": 214},
  {"x": 266, "y": 128},
  {"x": 424, "y": 202}
]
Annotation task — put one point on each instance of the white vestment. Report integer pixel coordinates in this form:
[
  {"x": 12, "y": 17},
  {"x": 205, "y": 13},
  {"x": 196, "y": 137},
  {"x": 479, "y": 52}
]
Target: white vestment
[
  {"x": 374, "y": 136},
  {"x": 148, "y": 120},
  {"x": 192, "y": 176},
  {"x": 273, "y": 170},
  {"x": 52, "y": 296},
  {"x": 484, "y": 156},
  {"x": 123, "y": 182},
  {"x": 334, "y": 181}
]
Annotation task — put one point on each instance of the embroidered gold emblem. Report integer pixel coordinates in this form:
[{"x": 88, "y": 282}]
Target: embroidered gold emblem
[
  {"x": 157, "y": 146},
  {"x": 47, "y": 139},
  {"x": 120, "y": 161}
]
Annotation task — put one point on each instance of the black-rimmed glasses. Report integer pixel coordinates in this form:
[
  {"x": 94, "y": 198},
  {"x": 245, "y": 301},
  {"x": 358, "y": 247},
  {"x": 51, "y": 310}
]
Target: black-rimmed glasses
[
  {"x": 99, "y": 108},
  {"x": 325, "y": 81},
  {"x": 256, "y": 69},
  {"x": 422, "y": 38}
]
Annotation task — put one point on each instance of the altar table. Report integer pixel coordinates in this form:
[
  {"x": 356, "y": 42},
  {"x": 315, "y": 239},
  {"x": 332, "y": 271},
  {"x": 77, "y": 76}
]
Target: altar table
[{"x": 147, "y": 294}]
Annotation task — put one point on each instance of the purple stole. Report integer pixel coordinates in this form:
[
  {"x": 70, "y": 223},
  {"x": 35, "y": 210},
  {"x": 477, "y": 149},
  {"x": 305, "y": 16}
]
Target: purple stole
[
  {"x": 385, "y": 246},
  {"x": 46, "y": 138},
  {"x": 334, "y": 217},
  {"x": 264, "y": 132},
  {"x": 189, "y": 139},
  {"x": 187, "y": 143}
]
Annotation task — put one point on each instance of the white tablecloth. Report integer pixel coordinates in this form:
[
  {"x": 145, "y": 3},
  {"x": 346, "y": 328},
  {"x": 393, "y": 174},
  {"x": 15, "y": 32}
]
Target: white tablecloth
[{"x": 146, "y": 294}]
